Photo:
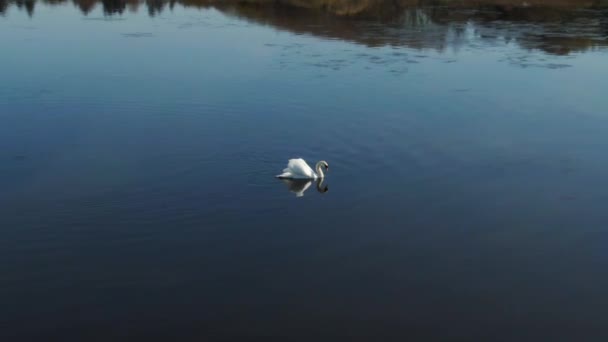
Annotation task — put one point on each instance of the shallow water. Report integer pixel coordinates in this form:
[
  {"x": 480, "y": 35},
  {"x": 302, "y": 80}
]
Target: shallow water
[{"x": 465, "y": 201}]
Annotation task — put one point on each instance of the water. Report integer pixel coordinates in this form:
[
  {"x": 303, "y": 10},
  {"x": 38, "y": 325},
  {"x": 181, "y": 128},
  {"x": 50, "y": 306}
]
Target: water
[{"x": 138, "y": 144}]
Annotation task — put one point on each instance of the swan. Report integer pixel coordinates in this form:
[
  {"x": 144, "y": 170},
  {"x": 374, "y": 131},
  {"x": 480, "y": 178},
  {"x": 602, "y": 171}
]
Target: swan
[
  {"x": 299, "y": 169},
  {"x": 299, "y": 186}
]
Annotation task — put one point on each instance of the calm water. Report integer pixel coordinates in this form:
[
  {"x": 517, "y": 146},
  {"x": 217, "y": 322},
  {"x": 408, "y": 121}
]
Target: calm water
[{"x": 466, "y": 196}]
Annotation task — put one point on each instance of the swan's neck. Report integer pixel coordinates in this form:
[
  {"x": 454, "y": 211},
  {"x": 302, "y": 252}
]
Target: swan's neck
[{"x": 319, "y": 169}]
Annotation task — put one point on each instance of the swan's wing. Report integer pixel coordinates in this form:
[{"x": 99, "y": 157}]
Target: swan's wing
[{"x": 299, "y": 169}]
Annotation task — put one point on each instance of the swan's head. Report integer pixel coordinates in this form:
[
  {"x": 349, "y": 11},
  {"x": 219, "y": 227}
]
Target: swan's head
[{"x": 324, "y": 164}]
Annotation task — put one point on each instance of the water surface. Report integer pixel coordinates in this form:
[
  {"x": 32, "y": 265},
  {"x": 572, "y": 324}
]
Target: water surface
[{"x": 466, "y": 198}]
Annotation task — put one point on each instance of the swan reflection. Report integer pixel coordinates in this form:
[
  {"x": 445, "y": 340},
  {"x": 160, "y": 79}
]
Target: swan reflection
[{"x": 299, "y": 186}]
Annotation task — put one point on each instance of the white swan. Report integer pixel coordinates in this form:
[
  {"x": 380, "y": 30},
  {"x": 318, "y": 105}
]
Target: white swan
[{"x": 298, "y": 169}]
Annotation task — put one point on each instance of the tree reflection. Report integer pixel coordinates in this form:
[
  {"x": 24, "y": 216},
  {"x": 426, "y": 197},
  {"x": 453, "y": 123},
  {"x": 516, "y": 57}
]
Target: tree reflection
[
  {"x": 3, "y": 6},
  {"x": 28, "y": 5},
  {"x": 113, "y": 6},
  {"x": 85, "y": 6},
  {"x": 552, "y": 29},
  {"x": 155, "y": 6},
  {"x": 547, "y": 25}
]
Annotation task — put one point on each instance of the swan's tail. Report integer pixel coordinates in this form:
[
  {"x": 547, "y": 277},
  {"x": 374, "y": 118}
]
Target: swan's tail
[{"x": 284, "y": 175}]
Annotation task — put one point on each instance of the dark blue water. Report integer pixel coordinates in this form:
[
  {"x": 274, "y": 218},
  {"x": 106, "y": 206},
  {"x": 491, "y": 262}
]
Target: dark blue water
[{"x": 466, "y": 194}]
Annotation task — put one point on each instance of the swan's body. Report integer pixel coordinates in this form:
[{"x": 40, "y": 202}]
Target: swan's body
[{"x": 299, "y": 169}]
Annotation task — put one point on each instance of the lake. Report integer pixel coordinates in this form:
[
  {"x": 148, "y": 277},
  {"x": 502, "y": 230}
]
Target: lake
[{"x": 465, "y": 199}]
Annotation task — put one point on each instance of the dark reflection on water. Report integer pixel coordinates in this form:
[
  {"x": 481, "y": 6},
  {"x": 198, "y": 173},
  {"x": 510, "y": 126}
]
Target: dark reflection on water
[
  {"x": 554, "y": 30},
  {"x": 557, "y": 28},
  {"x": 299, "y": 186}
]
